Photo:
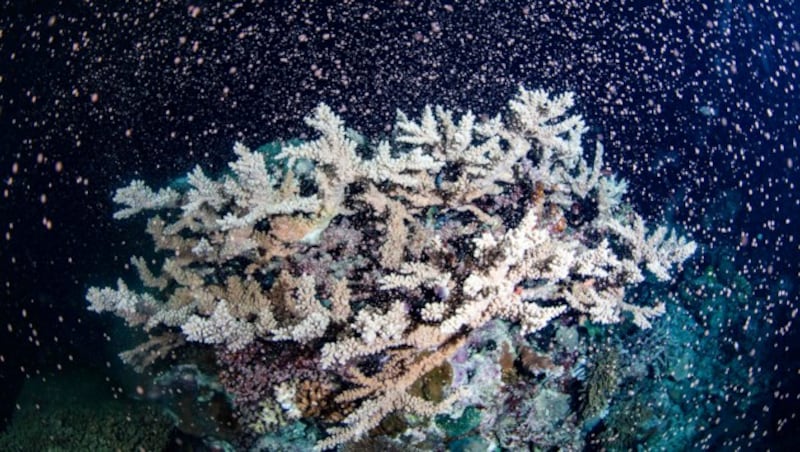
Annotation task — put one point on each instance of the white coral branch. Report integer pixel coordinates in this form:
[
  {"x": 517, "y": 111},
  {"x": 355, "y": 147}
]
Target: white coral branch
[
  {"x": 135, "y": 308},
  {"x": 659, "y": 251},
  {"x": 543, "y": 118},
  {"x": 423, "y": 133},
  {"x": 138, "y": 197},
  {"x": 220, "y": 328},
  {"x": 256, "y": 193},
  {"x": 204, "y": 192}
]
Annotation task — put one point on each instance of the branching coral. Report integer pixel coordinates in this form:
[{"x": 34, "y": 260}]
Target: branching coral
[{"x": 456, "y": 222}]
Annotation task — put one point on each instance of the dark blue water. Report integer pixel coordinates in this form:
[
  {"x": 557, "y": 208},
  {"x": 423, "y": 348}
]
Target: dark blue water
[{"x": 695, "y": 103}]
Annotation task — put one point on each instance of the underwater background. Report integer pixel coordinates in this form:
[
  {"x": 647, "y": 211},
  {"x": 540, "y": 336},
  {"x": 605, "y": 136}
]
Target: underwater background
[{"x": 695, "y": 103}]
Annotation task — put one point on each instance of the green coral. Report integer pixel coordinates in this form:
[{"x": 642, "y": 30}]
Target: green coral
[
  {"x": 601, "y": 384},
  {"x": 453, "y": 428},
  {"x": 629, "y": 424},
  {"x": 469, "y": 444}
]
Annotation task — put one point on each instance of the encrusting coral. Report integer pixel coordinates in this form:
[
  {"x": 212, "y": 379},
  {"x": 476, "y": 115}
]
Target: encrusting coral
[{"x": 456, "y": 222}]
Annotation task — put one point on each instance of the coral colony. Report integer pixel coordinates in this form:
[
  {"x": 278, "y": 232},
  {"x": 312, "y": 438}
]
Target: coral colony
[{"x": 331, "y": 275}]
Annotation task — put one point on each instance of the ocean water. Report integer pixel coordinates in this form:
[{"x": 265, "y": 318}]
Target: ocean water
[{"x": 695, "y": 105}]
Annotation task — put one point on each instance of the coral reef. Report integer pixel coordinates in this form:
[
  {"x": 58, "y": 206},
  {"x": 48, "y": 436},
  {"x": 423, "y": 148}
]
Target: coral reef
[
  {"x": 378, "y": 262},
  {"x": 601, "y": 385},
  {"x": 66, "y": 412}
]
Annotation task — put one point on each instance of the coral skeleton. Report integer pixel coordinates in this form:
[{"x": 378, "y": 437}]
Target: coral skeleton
[{"x": 455, "y": 222}]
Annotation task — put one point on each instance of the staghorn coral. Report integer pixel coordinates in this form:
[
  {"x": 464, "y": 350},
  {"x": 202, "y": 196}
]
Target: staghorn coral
[{"x": 441, "y": 251}]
